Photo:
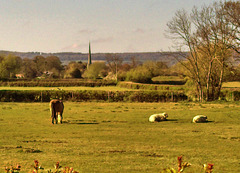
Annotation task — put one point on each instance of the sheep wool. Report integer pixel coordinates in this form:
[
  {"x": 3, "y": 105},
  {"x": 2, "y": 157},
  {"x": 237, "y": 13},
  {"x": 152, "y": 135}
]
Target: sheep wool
[
  {"x": 199, "y": 119},
  {"x": 158, "y": 117}
]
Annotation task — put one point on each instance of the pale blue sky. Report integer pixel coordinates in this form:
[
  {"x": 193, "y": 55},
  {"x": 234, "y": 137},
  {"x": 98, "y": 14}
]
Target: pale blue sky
[{"x": 68, "y": 25}]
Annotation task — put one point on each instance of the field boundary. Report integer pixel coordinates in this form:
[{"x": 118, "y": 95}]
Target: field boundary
[{"x": 91, "y": 95}]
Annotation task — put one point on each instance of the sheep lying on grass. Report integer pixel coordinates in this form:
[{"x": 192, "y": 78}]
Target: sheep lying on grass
[
  {"x": 200, "y": 119},
  {"x": 158, "y": 117}
]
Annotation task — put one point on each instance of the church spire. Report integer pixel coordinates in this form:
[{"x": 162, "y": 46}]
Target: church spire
[{"x": 89, "y": 56}]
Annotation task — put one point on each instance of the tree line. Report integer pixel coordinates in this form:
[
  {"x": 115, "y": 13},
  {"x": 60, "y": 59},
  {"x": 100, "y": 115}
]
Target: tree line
[
  {"x": 10, "y": 65},
  {"x": 112, "y": 68}
]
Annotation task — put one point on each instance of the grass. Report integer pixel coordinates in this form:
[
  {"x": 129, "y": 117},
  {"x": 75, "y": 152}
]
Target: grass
[
  {"x": 231, "y": 85},
  {"x": 110, "y": 88},
  {"x": 167, "y": 78},
  {"x": 117, "y": 137}
]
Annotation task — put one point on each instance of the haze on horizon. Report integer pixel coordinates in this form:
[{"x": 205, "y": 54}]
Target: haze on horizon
[{"x": 112, "y": 26}]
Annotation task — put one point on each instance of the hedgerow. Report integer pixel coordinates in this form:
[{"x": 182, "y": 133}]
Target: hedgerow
[
  {"x": 230, "y": 95},
  {"x": 57, "y": 83},
  {"x": 132, "y": 85},
  {"x": 90, "y": 95},
  {"x": 100, "y": 95}
]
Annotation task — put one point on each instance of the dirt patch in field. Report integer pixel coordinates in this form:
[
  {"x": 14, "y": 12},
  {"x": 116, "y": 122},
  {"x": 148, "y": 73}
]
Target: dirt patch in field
[
  {"x": 9, "y": 147},
  {"x": 44, "y": 141},
  {"x": 80, "y": 122},
  {"x": 117, "y": 151},
  {"x": 235, "y": 138},
  {"x": 6, "y": 107},
  {"x": 104, "y": 121},
  {"x": 153, "y": 155},
  {"x": 21, "y": 149},
  {"x": 30, "y": 150}
]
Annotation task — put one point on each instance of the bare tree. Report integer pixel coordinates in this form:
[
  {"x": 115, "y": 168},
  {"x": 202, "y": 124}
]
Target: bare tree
[
  {"x": 231, "y": 11},
  {"x": 205, "y": 35},
  {"x": 113, "y": 62},
  {"x": 181, "y": 31}
]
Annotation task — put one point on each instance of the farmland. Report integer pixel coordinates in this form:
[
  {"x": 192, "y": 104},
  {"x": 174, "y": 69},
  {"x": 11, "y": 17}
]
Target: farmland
[
  {"x": 108, "y": 88},
  {"x": 117, "y": 137}
]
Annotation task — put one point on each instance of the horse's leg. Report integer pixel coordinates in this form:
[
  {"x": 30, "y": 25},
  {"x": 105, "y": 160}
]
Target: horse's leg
[
  {"x": 62, "y": 111},
  {"x": 61, "y": 117},
  {"x": 53, "y": 113},
  {"x": 56, "y": 117},
  {"x": 52, "y": 119}
]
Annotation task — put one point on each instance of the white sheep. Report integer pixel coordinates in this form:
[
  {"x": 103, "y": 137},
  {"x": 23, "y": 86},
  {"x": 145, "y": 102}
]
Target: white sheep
[
  {"x": 199, "y": 119},
  {"x": 158, "y": 117}
]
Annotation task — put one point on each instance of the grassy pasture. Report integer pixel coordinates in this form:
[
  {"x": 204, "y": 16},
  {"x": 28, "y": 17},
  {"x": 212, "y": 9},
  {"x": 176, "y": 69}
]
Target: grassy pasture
[
  {"x": 112, "y": 88},
  {"x": 231, "y": 85},
  {"x": 167, "y": 78},
  {"x": 117, "y": 137},
  {"x": 107, "y": 88}
]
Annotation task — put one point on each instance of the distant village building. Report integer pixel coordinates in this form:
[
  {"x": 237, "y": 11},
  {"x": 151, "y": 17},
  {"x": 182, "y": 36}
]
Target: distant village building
[
  {"x": 49, "y": 73},
  {"x": 89, "y": 57},
  {"x": 19, "y": 76}
]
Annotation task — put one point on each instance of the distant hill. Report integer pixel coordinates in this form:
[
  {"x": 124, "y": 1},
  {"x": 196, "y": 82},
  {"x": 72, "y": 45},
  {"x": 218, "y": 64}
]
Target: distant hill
[{"x": 66, "y": 57}]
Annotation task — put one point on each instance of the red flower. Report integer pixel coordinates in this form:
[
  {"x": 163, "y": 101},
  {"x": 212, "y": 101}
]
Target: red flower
[
  {"x": 57, "y": 165},
  {"x": 210, "y": 166},
  {"x": 179, "y": 158},
  {"x": 36, "y": 163},
  {"x": 179, "y": 163}
]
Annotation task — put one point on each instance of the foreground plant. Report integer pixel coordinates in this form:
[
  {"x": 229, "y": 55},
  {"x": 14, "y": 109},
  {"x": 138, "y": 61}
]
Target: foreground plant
[
  {"x": 36, "y": 167},
  {"x": 13, "y": 169},
  {"x": 69, "y": 170},
  {"x": 208, "y": 168},
  {"x": 181, "y": 167},
  {"x": 59, "y": 169}
]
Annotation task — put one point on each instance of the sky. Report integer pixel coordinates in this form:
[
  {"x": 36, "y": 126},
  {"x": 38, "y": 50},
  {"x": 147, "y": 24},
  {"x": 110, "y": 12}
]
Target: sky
[{"x": 111, "y": 26}]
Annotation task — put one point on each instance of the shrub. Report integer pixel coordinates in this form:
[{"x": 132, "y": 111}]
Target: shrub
[
  {"x": 95, "y": 70},
  {"x": 139, "y": 74}
]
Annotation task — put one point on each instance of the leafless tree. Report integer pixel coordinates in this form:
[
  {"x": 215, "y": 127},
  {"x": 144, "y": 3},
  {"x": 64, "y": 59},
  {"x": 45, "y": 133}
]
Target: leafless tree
[
  {"x": 205, "y": 34},
  {"x": 231, "y": 11},
  {"x": 113, "y": 62},
  {"x": 181, "y": 31}
]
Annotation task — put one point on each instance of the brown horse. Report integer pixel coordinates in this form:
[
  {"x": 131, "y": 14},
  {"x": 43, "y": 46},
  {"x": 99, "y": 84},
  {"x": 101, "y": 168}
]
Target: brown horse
[{"x": 56, "y": 109}]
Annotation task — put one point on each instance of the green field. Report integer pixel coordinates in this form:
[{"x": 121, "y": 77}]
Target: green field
[
  {"x": 111, "y": 88},
  {"x": 107, "y": 88},
  {"x": 167, "y": 78},
  {"x": 117, "y": 137},
  {"x": 231, "y": 85}
]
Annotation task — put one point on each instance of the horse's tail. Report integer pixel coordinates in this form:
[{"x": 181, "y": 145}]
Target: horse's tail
[
  {"x": 53, "y": 109},
  {"x": 62, "y": 106},
  {"x": 50, "y": 105}
]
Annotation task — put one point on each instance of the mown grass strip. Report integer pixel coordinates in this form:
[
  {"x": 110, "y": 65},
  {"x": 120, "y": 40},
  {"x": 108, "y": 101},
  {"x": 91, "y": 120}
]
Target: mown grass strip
[{"x": 106, "y": 88}]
